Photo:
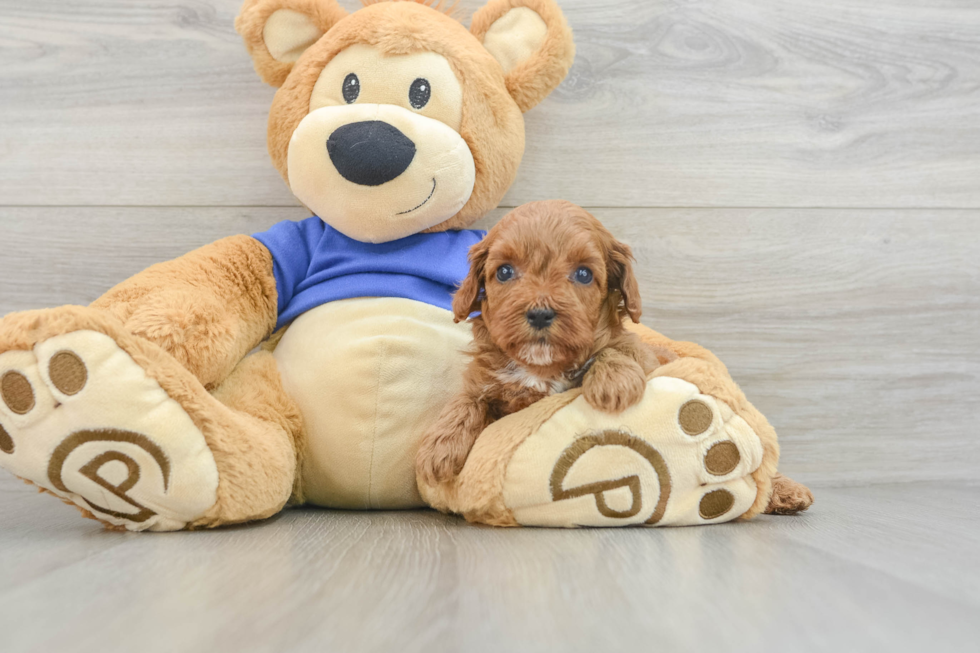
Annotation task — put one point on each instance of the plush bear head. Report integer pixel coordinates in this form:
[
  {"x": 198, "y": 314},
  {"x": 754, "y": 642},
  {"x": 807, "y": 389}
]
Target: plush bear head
[{"x": 396, "y": 119}]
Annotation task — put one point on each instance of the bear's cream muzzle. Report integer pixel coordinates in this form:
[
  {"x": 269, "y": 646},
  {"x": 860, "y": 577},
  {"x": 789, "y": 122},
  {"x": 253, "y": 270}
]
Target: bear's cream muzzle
[{"x": 379, "y": 172}]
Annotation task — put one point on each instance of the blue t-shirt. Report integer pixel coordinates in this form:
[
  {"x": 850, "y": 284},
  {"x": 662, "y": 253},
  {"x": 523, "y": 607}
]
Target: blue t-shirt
[{"x": 315, "y": 264}]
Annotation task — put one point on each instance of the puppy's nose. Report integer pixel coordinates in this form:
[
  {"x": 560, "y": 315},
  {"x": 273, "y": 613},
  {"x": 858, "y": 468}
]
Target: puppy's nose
[
  {"x": 370, "y": 153},
  {"x": 540, "y": 318}
]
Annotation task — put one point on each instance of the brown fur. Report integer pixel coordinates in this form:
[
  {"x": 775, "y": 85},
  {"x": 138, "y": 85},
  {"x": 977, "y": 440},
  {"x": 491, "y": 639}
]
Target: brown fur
[
  {"x": 253, "y": 440},
  {"x": 250, "y": 24},
  {"x": 699, "y": 366},
  {"x": 207, "y": 308},
  {"x": 714, "y": 380},
  {"x": 492, "y": 125},
  {"x": 449, "y": 8},
  {"x": 531, "y": 81},
  {"x": 191, "y": 322},
  {"x": 477, "y": 492},
  {"x": 199, "y": 315},
  {"x": 788, "y": 497},
  {"x": 544, "y": 242}
]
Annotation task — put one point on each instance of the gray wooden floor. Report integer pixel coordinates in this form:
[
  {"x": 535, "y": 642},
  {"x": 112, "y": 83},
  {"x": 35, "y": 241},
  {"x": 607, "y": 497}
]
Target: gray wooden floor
[
  {"x": 801, "y": 183},
  {"x": 889, "y": 567}
]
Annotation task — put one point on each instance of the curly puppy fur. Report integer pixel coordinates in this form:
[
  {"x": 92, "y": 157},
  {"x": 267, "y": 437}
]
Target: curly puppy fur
[{"x": 553, "y": 288}]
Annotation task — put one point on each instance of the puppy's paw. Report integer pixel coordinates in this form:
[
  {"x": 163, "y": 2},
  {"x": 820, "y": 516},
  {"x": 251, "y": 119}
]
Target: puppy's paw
[
  {"x": 614, "y": 388},
  {"x": 441, "y": 459}
]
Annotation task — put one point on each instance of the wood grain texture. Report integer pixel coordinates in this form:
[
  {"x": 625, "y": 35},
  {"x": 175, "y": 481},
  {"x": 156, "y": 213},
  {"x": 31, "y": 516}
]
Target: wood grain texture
[
  {"x": 864, "y": 571},
  {"x": 132, "y": 132},
  {"x": 868, "y": 103},
  {"x": 854, "y": 332}
]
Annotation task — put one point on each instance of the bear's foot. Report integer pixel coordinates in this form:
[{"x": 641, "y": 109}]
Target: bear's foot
[
  {"x": 788, "y": 497},
  {"x": 679, "y": 457},
  {"x": 82, "y": 420},
  {"x": 682, "y": 456}
]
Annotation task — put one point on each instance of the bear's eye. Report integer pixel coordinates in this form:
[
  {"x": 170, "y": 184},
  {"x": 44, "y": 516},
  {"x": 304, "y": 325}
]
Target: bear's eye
[
  {"x": 505, "y": 273},
  {"x": 419, "y": 93},
  {"x": 582, "y": 275},
  {"x": 351, "y": 88}
]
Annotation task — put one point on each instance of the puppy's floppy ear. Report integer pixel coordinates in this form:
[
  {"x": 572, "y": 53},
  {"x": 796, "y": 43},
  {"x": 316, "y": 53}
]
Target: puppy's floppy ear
[
  {"x": 532, "y": 42},
  {"x": 277, "y": 32},
  {"x": 467, "y": 299},
  {"x": 622, "y": 278}
]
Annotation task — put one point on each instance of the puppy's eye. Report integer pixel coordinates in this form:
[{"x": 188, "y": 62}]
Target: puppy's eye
[
  {"x": 419, "y": 93},
  {"x": 351, "y": 88},
  {"x": 505, "y": 273},
  {"x": 582, "y": 275}
]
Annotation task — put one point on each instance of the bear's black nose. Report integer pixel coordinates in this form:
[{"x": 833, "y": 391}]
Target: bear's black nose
[
  {"x": 370, "y": 153},
  {"x": 540, "y": 318}
]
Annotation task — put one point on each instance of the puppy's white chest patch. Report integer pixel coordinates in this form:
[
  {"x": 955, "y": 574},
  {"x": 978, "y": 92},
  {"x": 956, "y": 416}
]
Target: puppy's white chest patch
[
  {"x": 536, "y": 354},
  {"x": 515, "y": 374}
]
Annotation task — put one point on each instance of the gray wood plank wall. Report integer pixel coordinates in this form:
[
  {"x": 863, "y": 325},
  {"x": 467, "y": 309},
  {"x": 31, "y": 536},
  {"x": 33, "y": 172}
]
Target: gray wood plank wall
[{"x": 801, "y": 182}]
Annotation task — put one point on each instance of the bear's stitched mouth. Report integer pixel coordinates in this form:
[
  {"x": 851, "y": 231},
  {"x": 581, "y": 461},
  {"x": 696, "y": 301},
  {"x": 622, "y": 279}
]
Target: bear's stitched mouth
[{"x": 431, "y": 193}]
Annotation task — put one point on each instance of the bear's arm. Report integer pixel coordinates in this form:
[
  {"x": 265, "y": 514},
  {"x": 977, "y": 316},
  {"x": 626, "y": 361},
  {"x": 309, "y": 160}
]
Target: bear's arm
[
  {"x": 680, "y": 348},
  {"x": 208, "y": 308}
]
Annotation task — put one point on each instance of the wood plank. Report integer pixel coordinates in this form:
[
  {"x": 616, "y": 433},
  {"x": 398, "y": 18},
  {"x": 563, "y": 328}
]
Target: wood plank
[
  {"x": 419, "y": 581},
  {"x": 54, "y": 256},
  {"x": 924, "y": 533},
  {"x": 39, "y": 535},
  {"x": 871, "y": 103},
  {"x": 855, "y": 332}
]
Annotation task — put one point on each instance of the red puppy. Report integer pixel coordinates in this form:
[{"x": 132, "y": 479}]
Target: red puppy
[{"x": 553, "y": 287}]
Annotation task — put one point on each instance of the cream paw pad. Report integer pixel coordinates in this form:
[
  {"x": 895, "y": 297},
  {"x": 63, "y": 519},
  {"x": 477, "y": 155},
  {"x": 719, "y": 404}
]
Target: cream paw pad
[
  {"x": 678, "y": 457},
  {"x": 81, "y": 419}
]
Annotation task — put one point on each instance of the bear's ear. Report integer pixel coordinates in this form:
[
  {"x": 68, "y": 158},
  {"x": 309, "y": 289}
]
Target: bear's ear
[
  {"x": 531, "y": 41},
  {"x": 277, "y": 32}
]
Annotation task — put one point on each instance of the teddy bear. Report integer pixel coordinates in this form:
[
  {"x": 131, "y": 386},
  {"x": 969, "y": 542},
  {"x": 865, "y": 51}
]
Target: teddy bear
[{"x": 301, "y": 365}]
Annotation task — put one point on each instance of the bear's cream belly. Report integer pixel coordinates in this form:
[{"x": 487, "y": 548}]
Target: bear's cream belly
[{"x": 369, "y": 375}]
